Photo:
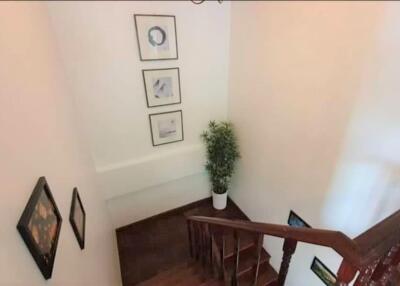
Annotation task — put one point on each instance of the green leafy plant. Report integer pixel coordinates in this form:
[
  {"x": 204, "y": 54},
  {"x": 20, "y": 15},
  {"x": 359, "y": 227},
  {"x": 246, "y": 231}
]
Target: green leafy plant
[{"x": 222, "y": 153}]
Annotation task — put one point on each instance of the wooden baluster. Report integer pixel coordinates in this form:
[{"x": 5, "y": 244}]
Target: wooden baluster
[
  {"x": 236, "y": 254},
  {"x": 198, "y": 241},
  {"x": 260, "y": 241},
  {"x": 190, "y": 235},
  {"x": 379, "y": 272},
  {"x": 364, "y": 278},
  {"x": 388, "y": 265},
  {"x": 289, "y": 247},
  {"x": 223, "y": 254},
  {"x": 207, "y": 236},
  {"x": 345, "y": 274},
  {"x": 203, "y": 245}
]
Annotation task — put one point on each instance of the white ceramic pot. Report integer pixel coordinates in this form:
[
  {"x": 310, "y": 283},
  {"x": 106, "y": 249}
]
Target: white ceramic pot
[{"x": 219, "y": 200}]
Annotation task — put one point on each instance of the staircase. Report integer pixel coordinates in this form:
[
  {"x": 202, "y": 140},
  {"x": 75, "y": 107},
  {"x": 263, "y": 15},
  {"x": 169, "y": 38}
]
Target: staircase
[
  {"x": 195, "y": 273},
  {"x": 230, "y": 252}
]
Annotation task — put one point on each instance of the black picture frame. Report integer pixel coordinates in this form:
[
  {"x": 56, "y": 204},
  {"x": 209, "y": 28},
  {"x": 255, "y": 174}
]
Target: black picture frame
[
  {"x": 146, "y": 91},
  {"x": 32, "y": 230},
  {"x": 296, "y": 221},
  {"x": 151, "y": 127},
  {"x": 79, "y": 234},
  {"x": 135, "y": 16},
  {"x": 323, "y": 272}
]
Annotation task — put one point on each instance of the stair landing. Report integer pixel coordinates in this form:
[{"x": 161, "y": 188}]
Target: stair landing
[{"x": 155, "y": 251}]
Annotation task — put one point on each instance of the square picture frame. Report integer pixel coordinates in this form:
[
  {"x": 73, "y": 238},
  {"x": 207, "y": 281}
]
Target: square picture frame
[
  {"x": 162, "y": 86},
  {"x": 156, "y": 36},
  {"x": 40, "y": 226},
  {"x": 296, "y": 221},
  {"x": 323, "y": 272},
  {"x": 77, "y": 218},
  {"x": 166, "y": 127}
]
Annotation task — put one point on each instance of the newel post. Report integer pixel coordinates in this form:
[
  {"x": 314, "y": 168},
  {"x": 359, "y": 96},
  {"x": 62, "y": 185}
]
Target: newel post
[
  {"x": 289, "y": 247},
  {"x": 345, "y": 274}
]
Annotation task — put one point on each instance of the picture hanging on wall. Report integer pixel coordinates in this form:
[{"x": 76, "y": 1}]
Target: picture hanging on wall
[
  {"x": 162, "y": 86},
  {"x": 323, "y": 272},
  {"x": 166, "y": 127},
  {"x": 296, "y": 221},
  {"x": 77, "y": 218},
  {"x": 156, "y": 37},
  {"x": 40, "y": 226}
]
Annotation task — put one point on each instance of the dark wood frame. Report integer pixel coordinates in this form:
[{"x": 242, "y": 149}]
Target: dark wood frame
[
  {"x": 77, "y": 199},
  {"x": 292, "y": 213},
  {"x": 151, "y": 127},
  {"x": 138, "y": 42},
  {"x": 324, "y": 266},
  {"x": 145, "y": 87},
  {"x": 22, "y": 226}
]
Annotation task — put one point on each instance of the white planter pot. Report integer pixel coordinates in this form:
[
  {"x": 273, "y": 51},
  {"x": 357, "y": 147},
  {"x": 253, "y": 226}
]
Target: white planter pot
[{"x": 219, "y": 200}]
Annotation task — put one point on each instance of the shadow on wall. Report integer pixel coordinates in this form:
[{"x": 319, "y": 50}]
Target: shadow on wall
[{"x": 363, "y": 194}]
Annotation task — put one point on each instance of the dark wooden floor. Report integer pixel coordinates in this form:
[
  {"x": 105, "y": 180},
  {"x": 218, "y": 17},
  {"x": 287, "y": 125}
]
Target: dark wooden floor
[{"x": 156, "y": 244}]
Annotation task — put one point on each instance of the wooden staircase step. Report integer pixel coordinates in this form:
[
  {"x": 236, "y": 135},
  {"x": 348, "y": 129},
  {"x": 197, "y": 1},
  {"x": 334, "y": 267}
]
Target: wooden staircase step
[
  {"x": 247, "y": 240},
  {"x": 247, "y": 260},
  {"x": 173, "y": 275},
  {"x": 267, "y": 275}
]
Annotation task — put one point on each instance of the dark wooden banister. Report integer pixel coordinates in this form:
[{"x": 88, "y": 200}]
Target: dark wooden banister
[
  {"x": 376, "y": 249},
  {"x": 334, "y": 239},
  {"x": 378, "y": 240}
]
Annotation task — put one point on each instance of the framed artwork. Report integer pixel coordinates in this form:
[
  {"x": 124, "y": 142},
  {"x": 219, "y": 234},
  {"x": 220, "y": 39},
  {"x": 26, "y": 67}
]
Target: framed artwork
[
  {"x": 296, "y": 221},
  {"x": 166, "y": 127},
  {"x": 323, "y": 272},
  {"x": 156, "y": 36},
  {"x": 40, "y": 226},
  {"x": 162, "y": 86},
  {"x": 77, "y": 218}
]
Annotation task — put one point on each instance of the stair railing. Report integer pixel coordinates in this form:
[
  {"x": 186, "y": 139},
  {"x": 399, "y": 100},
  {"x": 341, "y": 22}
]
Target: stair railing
[{"x": 373, "y": 258}]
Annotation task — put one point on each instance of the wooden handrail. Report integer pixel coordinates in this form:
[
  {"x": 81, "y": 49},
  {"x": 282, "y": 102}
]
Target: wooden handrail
[
  {"x": 378, "y": 240},
  {"x": 359, "y": 252}
]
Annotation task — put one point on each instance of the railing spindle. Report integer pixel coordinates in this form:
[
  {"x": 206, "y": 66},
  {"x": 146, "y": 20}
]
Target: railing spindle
[
  {"x": 346, "y": 274},
  {"x": 289, "y": 247},
  {"x": 236, "y": 257},
  {"x": 260, "y": 241},
  {"x": 190, "y": 234}
]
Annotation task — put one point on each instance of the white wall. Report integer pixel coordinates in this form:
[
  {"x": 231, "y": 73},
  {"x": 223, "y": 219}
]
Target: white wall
[
  {"x": 40, "y": 138},
  {"x": 314, "y": 94},
  {"x": 99, "y": 48}
]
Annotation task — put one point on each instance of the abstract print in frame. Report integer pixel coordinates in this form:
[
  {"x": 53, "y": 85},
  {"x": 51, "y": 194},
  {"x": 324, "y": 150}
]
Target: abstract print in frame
[
  {"x": 162, "y": 86},
  {"x": 77, "y": 218},
  {"x": 40, "y": 226},
  {"x": 156, "y": 37},
  {"x": 166, "y": 127}
]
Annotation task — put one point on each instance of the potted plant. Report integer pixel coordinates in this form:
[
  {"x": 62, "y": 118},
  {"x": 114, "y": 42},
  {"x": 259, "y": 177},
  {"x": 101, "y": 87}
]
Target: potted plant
[{"x": 222, "y": 153}]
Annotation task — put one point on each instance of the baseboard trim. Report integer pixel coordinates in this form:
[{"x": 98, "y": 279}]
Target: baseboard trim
[
  {"x": 167, "y": 213},
  {"x": 177, "y": 210}
]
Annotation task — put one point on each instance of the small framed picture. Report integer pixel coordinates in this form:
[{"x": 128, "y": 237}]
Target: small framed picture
[
  {"x": 323, "y": 272},
  {"x": 166, "y": 127},
  {"x": 40, "y": 226},
  {"x": 77, "y": 218},
  {"x": 156, "y": 36},
  {"x": 162, "y": 86},
  {"x": 296, "y": 221}
]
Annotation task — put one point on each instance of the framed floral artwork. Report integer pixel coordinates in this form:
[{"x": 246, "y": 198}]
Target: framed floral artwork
[
  {"x": 40, "y": 226},
  {"x": 77, "y": 218}
]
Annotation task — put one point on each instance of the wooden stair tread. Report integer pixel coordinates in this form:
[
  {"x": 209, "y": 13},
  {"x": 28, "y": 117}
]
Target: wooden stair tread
[
  {"x": 247, "y": 260},
  {"x": 174, "y": 275},
  {"x": 267, "y": 274},
  {"x": 247, "y": 240}
]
